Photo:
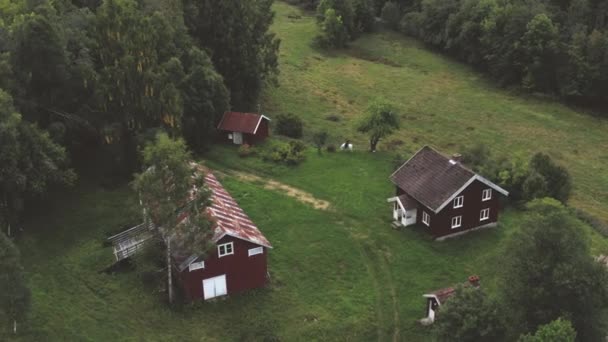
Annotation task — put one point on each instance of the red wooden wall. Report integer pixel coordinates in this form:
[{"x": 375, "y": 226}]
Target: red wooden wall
[{"x": 243, "y": 272}]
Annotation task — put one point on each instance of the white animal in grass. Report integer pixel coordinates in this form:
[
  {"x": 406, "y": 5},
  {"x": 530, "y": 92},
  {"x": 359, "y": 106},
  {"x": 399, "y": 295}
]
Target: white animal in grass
[{"x": 346, "y": 146}]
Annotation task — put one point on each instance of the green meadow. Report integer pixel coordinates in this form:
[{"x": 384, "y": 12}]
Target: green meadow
[{"x": 341, "y": 274}]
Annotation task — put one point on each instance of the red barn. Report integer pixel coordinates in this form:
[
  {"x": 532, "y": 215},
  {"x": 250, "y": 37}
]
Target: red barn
[
  {"x": 237, "y": 261},
  {"x": 443, "y": 195},
  {"x": 244, "y": 128}
]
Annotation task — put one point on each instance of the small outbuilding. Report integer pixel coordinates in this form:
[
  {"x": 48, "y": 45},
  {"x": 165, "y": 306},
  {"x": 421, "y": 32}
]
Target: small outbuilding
[
  {"x": 437, "y": 298},
  {"x": 244, "y": 128}
]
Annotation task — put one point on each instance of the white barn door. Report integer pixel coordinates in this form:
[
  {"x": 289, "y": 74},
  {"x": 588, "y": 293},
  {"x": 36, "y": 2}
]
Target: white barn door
[
  {"x": 237, "y": 138},
  {"x": 214, "y": 287}
]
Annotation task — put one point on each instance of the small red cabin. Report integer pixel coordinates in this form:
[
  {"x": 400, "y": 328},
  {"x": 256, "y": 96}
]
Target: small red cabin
[
  {"x": 443, "y": 195},
  {"x": 237, "y": 260},
  {"x": 244, "y": 128}
]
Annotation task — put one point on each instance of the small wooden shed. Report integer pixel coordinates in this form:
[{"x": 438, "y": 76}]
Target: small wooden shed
[{"x": 244, "y": 128}]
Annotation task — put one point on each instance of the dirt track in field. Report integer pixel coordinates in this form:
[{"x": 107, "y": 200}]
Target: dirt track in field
[{"x": 290, "y": 191}]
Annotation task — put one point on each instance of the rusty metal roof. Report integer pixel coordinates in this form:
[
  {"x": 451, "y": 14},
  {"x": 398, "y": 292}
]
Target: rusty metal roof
[
  {"x": 229, "y": 218},
  {"x": 241, "y": 122}
]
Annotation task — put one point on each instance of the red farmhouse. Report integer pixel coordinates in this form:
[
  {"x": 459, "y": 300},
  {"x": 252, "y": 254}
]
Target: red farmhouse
[
  {"x": 244, "y": 128},
  {"x": 237, "y": 261},
  {"x": 443, "y": 195}
]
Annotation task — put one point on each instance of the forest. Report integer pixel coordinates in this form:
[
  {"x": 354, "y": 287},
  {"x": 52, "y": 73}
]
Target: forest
[
  {"x": 84, "y": 84},
  {"x": 553, "y": 47}
]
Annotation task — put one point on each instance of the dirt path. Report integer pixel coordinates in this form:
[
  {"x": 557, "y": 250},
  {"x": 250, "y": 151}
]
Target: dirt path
[{"x": 290, "y": 191}]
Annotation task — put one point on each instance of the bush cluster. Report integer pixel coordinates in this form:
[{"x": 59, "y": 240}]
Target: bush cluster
[
  {"x": 289, "y": 153},
  {"x": 525, "y": 180},
  {"x": 289, "y": 125}
]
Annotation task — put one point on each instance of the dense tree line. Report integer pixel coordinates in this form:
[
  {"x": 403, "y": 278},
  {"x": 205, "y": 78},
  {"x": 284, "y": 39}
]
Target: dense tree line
[
  {"x": 88, "y": 82},
  {"x": 99, "y": 78},
  {"x": 558, "y": 47}
]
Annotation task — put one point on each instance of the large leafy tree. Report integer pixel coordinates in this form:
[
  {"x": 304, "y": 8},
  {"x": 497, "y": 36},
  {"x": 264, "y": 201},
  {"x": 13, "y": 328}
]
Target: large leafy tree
[
  {"x": 548, "y": 273},
  {"x": 205, "y": 98},
  {"x": 30, "y": 162},
  {"x": 237, "y": 36},
  {"x": 469, "y": 316},
  {"x": 380, "y": 120},
  {"x": 174, "y": 198},
  {"x": 15, "y": 296},
  {"x": 560, "y": 330}
]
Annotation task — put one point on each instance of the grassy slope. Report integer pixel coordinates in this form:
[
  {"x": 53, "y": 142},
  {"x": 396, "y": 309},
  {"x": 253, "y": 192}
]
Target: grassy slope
[
  {"x": 444, "y": 103},
  {"x": 337, "y": 275}
]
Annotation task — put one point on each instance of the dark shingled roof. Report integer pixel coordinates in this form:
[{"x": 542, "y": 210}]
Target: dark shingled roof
[
  {"x": 431, "y": 178},
  {"x": 240, "y": 122},
  {"x": 408, "y": 202}
]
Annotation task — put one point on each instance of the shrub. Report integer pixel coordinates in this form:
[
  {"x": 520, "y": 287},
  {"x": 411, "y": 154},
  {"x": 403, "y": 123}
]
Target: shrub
[
  {"x": 333, "y": 31},
  {"x": 333, "y": 117},
  {"x": 246, "y": 150},
  {"x": 319, "y": 139},
  {"x": 291, "y": 153},
  {"x": 391, "y": 15},
  {"x": 289, "y": 125},
  {"x": 331, "y": 148}
]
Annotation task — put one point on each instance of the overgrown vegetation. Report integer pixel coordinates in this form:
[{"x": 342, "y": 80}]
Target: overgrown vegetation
[
  {"x": 525, "y": 180},
  {"x": 289, "y": 125}
]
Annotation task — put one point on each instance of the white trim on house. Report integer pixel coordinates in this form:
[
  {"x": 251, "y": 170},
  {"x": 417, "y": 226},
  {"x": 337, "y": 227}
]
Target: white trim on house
[
  {"x": 255, "y": 251},
  {"x": 196, "y": 266},
  {"x": 466, "y": 231},
  {"x": 396, "y": 199},
  {"x": 227, "y": 251},
  {"x": 426, "y": 218},
  {"x": 458, "y": 222},
  {"x": 459, "y": 202},
  {"x": 484, "y": 214},
  {"x": 474, "y": 178},
  {"x": 259, "y": 122},
  {"x": 487, "y": 191}
]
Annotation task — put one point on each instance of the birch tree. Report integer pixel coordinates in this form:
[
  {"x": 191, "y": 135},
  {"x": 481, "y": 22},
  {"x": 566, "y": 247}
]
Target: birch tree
[{"x": 174, "y": 199}]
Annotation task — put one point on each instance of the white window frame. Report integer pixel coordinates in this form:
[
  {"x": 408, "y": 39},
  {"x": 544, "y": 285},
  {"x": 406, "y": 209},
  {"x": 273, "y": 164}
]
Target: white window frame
[
  {"x": 196, "y": 266},
  {"x": 484, "y": 214},
  {"x": 229, "y": 136},
  {"x": 486, "y": 195},
  {"x": 458, "y": 220},
  {"x": 426, "y": 218},
  {"x": 458, "y": 202},
  {"x": 255, "y": 251},
  {"x": 225, "y": 247}
]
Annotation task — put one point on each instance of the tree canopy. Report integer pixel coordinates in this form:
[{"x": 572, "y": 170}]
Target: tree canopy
[
  {"x": 469, "y": 316},
  {"x": 548, "y": 273},
  {"x": 380, "y": 120},
  {"x": 559, "y": 330},
  {"x": 174, "y": 197}
]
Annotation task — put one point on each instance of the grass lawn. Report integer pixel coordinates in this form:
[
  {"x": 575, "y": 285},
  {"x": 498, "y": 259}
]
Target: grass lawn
[
  {"x": 443, "y": 103},
  {"x": 337, "y": 274}
]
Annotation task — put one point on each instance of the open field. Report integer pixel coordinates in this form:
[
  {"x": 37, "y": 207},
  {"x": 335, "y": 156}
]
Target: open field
[
  {"x": 443, "y": 103},
  {"x": 338, "y": 272}
]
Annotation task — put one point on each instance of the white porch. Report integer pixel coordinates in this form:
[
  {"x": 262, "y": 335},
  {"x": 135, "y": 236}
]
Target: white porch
[{"x": 404, "y": 210}]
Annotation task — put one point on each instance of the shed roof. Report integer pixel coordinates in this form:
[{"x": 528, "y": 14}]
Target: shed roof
[
  {"x": 241, "y": 122},
  {"x": 433, "y": 179}
]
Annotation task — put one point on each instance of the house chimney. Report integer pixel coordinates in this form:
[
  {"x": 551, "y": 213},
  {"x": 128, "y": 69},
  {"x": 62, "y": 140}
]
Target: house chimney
[
  {"x": 456, "y": 157},
  {"x": 474, "y": 280}
]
